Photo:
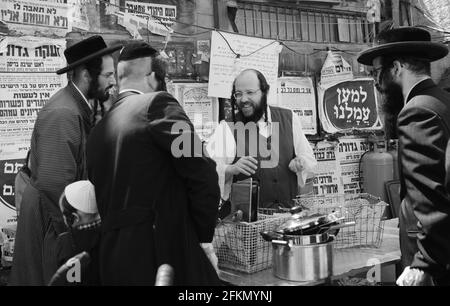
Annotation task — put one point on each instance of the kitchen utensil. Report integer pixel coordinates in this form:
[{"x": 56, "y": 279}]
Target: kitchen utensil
[
  {"x": 301, "y": 225},
  {"x": 296, "y": 239},
  {"x": 302, "y": 263}
]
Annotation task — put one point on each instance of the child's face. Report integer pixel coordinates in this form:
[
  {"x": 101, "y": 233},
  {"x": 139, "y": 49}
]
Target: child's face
[{"x": 84, "y": 218}]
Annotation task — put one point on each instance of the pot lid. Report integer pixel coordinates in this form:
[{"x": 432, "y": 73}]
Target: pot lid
[{"x": 294, "y": 224}]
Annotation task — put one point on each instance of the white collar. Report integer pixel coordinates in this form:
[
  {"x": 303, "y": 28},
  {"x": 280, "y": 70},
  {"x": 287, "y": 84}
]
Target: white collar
[
  {"x": 417, "y": 83},
  {"x": 269, "y": 117},
  {"x": 84, "y": 98},
  {"x": 131, "y": 90}
]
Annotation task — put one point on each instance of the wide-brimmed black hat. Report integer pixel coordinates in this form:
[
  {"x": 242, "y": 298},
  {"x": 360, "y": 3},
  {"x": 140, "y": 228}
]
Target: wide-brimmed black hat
[
  {"x": 404, "y": 41},
  {"x": 85, "y": 51}
]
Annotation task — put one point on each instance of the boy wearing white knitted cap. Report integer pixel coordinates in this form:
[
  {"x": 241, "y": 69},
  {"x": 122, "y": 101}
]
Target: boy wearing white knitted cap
[{"x": 79, "y": 206}]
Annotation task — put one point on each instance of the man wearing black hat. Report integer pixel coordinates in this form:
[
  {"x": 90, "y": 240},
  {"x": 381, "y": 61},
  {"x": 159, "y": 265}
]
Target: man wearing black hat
[
  {"x": 58, "y": 158},
  {"x": 156, "y": 206},
  {"x": 401, "y": 65}
]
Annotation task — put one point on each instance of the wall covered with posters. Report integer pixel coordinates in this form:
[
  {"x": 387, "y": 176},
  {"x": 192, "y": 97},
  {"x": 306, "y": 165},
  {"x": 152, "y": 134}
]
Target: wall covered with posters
[
  {"x": 27, "y": 80},
  {"x": 338, "y": 103}
]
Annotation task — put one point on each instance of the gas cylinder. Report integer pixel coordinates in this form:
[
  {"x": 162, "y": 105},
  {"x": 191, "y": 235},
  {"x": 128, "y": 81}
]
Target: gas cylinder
[
  {"x": 377, "y": 168},
  {"x": 393, "y": 150}
]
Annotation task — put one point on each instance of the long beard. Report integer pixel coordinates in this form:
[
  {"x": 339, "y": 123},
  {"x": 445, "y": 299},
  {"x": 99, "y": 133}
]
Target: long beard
[
  {"x": 393, "y": 102},
  {"x": 94, "y": 92},
  {"x": 257, "y": 114}
]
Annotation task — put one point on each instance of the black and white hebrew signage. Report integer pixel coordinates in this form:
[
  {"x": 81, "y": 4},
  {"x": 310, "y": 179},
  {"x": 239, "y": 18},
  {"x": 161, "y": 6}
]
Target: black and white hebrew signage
[{"x": 349, "y": 105}]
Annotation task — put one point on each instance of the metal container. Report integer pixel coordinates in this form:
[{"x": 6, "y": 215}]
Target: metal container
[{"x": 302, "y": 262}]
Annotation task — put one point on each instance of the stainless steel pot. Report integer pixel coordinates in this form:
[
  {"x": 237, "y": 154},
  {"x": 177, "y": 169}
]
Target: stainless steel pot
[{"x": 302, "y": 262}]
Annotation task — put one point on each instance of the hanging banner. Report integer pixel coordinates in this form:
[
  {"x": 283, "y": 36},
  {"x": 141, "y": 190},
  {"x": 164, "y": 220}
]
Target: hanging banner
[
  {"x": 255, "y": 53},
  {"x": 349, "y": 105},
  {"x": 335, "y": 69},
  {"x": 135, "y": 23},
  {"x": 297, "y": 94},
  {"x": 27, "y": 80},
  {"x": 201, "y": 109},
  {"x": 348, "y": 155},
  {"x": 36, "y": 17},
  {"x": 78, "y": 13},
  {"x": 164, "y": 14},
  {"x": 327, "y": 173}
]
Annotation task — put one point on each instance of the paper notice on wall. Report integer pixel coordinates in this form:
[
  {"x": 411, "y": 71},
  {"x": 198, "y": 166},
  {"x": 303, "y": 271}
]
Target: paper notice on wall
[
  {"x": 135, "y": 23},
  {"x": 254, "y": 53},
  {"x": 201, "y": 109},
  {"x": 327, "y": 173},
  {"x": 27, "y": 81},
  {"x": 335, "y": 69},
  {"x": 348, "y": 154},
  {"x": 78, "y": 13},
  {"x": 163, "y": 14},
  {"x": 297, "y": 94},
  {"x": 36, "y": 17}
]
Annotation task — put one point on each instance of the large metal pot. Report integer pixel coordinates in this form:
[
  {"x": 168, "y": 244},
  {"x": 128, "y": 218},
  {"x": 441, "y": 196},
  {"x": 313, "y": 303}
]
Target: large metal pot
[{"x": 302, "y": 263}]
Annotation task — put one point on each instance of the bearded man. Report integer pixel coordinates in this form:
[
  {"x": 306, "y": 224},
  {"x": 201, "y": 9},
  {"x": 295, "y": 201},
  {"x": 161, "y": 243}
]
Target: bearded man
[
  {"x": 401, "y": 62},
  {"x": 275, "y": 151},
  {"x": 58, "y": 158}
]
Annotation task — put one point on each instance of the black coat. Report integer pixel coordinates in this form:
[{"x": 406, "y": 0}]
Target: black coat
[
  {"x": 155, "y": 207},
  {"x": 57, "y": 158},
  {"x": 424, "y": 131}
]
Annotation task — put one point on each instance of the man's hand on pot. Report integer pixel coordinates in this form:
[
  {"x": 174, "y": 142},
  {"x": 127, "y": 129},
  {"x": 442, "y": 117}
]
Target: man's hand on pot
[
  {"x": 296, "y": 165},
  {"x": 246, "y": 165},
  {"x": 414, "y": 277}
]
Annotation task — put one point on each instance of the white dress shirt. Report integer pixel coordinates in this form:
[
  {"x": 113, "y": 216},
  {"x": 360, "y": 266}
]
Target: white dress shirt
[
  {"x": 84, "y": 98},
  {"x": 420, "y": 81},
  {"x": 222, "y": 148},
  {"x": 131, "y": 90}
]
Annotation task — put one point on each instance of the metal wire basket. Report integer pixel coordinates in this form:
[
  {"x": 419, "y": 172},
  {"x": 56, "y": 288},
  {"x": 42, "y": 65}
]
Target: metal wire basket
[
  {"x": 239, "y": 246},
  {"x": 366, "y": 210}
]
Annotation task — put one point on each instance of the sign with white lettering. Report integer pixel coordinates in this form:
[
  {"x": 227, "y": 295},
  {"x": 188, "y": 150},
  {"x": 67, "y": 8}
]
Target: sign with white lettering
[{"x": 349, "y": 105}]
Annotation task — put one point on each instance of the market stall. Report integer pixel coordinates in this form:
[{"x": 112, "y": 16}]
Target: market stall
[{"x": 364, "y": 243}]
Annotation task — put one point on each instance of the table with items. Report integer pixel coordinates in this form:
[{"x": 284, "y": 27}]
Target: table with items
[{"x": 329, "y": 239}]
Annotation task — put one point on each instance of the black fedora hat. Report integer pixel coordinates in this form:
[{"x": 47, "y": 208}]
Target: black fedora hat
[
  {"x": 85, "y": 51},
  {"x": 405, "y": 41}
]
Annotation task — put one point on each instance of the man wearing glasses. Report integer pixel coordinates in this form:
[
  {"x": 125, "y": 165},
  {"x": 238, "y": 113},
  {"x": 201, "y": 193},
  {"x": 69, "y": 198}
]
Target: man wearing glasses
[
  {"x": 401, "y": 62},
  {"x": 263, "y": 142}
]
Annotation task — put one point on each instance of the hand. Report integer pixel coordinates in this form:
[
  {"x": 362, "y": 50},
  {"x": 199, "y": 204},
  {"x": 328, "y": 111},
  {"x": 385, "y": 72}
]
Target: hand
[
  {"x": 246, "y": 165},
  {"x": 209, "y": 251},
  {"x": 296, "y": 165},
  {"x": 414, "y": 277}
]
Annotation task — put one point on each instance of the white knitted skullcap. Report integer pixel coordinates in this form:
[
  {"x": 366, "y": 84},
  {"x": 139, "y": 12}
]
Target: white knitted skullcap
[{"x": 81, "y": 195}]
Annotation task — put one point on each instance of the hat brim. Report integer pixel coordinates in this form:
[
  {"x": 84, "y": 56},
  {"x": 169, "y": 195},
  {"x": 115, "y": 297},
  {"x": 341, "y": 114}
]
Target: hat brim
[
  {"x": 430, "y": 51},
  {"x": 88, "y": 58}
]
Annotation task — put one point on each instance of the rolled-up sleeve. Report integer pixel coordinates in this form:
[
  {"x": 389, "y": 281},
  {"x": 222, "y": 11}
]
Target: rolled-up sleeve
[
  {"x": 222, "y": 149},
  {"x": 303, "y": 151}
]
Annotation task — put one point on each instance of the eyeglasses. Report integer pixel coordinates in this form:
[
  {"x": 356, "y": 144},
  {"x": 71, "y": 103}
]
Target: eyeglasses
[
  {"x": 250, "y": 93},
  {"x": 109, "y": 75}
]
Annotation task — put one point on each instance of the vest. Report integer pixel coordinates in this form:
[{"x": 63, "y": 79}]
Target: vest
[{"x": 278, "y": 184}]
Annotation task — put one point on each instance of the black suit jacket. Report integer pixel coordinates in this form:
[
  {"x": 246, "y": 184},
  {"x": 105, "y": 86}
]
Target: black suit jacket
[
  {"x": 424, "y": 130},
  {"x": 156, "y": 207}
]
